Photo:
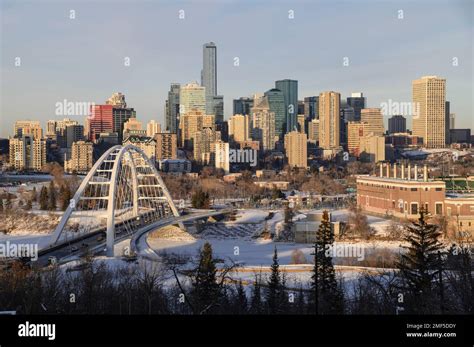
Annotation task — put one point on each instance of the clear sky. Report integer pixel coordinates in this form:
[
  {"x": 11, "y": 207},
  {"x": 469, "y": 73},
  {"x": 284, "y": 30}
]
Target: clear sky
[{"x": 82, "y": 59}]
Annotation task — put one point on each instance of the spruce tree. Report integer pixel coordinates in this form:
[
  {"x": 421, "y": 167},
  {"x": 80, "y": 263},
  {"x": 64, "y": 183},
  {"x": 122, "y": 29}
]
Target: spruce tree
[
  {"x": 274, "y": 286},
  {"x": 52, "y": 197},
  {"x": 44, "y": 198},
  {"x": 34, "y": 195},
  {"x": 205, "y": 291},
  {"x": 65, "y": 197},
  {"x": 256, "y": 305},
  {"x": 327, "y": 296},
  {"x": 422, "y": 263}
]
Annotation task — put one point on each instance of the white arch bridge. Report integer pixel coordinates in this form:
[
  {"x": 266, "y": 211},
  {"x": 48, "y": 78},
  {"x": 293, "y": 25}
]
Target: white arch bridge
[{"x": 123, "y": 193}]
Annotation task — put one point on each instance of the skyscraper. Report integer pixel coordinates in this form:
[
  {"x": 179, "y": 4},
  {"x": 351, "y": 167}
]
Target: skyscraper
[
  {"x": 357, "y": 101},
  {"x": 311, "y": 110},
  {"x": 100, "y": 121},
  {"x": 27, "y": 153},
  {"x": 447, "y": 122},
  {"x": 296, "y": 149},
  {"x": 172, "y": 108},
  {"x": 152, "y": 128},
  {"x": 263, "y": 124},
  {"x": 429, "y": 97},
  {"x": 242, "y": 105},
  {"x": 239, "y": 128},
  {"x": 290, "y": 94},
  {"x": 374, "y": 119},
  {"x": 28, "y": 128},
  {"x": 276, "y": 102},
  {"x": 397, "y": 124},
  {"x": 192, "y": 97},
  {"x": 329, "y": 120},
  {"x": 221, "y": 156},
  {"x": 192, "y": 122},
  {"x": 209, "y": 69}
]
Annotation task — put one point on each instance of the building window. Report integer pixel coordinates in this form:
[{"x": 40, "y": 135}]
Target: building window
[
  {"x": 439, "y": 208},
  {"x": 414, "y": 189},
  {"x": 439, "y": 189},
  {"x": 414, "y": 208}
]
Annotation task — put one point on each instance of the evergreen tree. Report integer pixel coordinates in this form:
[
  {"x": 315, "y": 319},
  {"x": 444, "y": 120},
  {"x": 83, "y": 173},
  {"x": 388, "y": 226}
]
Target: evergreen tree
[
  {"x": 206, "y": 291},
  {"x": 421, "y": 265},
  {"x": 65, "y": 195},
  {"x": 274, "y": 286},
  {"x": 241, "y": 299},
  {"x": 52, "y": 197},
  {"x": 256, "y": 305},
  {"x": 44, "y": 198},
  {"x": 327, "y": 296},
  {"x": 200, "y": 199},
  {"x": 34, "y": 195}
]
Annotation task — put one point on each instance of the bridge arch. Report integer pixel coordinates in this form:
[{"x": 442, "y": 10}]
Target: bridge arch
[{"x": 121, "y": 192}]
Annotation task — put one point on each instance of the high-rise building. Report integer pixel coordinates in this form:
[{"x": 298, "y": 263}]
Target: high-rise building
[
  {"x": 290, "y": 94},
  {"x": 329, "y": 120},
  {"x": 355, "y": 133},
  {"x": 145, "y": 143},
  {"x": 27, "y": 153},
  {"x": 192, "y": 97},
  {"x": 311, "y": 107},
  {"x": 313, "y": 131},
  {"x": 120, "y": 116},
  {"x": 300, "y": 107},
  {"x": 301, "y": 123},
  {"x": 204, "y": 144},
  {"x": 117, "y": 100},
  {"x": 429, "y": 97},
  {"x": 100, "y": 121},
  {"x": 166, "y": 146},
  {"x": 221, "y": 156},
  {"x": 133, "y": 127},
  {"x": 358, "y": 102},
  {"x": 73, "y": 133},
  {"x": 374, "y": 119},
  {"x": 217, "y": 108},
  {"x": 242, "y": 105},
  {"x": 152, "y": 128},
  {"x": 263, "y": 124},
  {"x": 28, "y": 128},
  {"x": 209, "y": 70},
  {"x": 397, "y": 124},
  {"x": 447, "y": 122},
  {"x": 276, "y": 102},
  {"x": 296, "y": 149},
  {"x": 172, "y": 108},
  {"x": 452, "y": 121},
  {"x": 239, "y": 128},
  {"x": 192, "y": 122},
  {"x": 81, "y": 158}
]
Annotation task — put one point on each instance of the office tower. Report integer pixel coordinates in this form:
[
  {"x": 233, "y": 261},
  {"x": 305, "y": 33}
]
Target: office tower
[
  {"x": 296, "y": 149},
  {"x": 217, "y": 108},
  {"x": 329, "y": 120},
  {"x": 27, "y": 153},
  {"x": 28, "y": 128},
  {"x": 100, "y": 121},
  {"x": 374, "y": 119},
  {"x": 117, "y": 100},
  {"x": 120, "y": 116},
  {"x": 133, "y": 127},
  {"x": 172, "y": 108},
  {"x": 372, "y": 148},
  {"x": 242, "y": 105},
  {"x": 204, "y": 144},
  {"x": 81, "y": 158},
  {"x": 145, "y": 143},
  {"x": 192, "y": 122},
  {"x": 166, "y": 146},
  {"x": 276, "y": 102},
  {"x": 429, "y": 97},
  {"x": 192, "y": 97},
  {"x": 223, "y": 128},
  {"x": 313, "y": 131},
  {"x": 358, "y": 102},
  {"x": 209, "y": 70},
  {"x": 239, "y": 128},
  {"x": 221, "y": 156},
  {"x": 460, "y": 136},
  {"x": 301, "y": 123},
  {"x": 73, "y": 133},
  {"x": 355, "y": 133},
  {"x": 397, "y": 124},
  {"x": 452, "y": 121},
  {"x": 263, "y": 124},
  {"x": 447, "y": 122},
  {"x": 300, "y": 107},
  {"x": 152, "y": 128},
  {"x": 51, "y": 129},
  {"x": 311, "y": 107},
  {"x": 290, "y": 94}
]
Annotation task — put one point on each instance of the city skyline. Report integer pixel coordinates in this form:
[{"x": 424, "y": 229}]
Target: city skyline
[{"x": 75, "y": 74}]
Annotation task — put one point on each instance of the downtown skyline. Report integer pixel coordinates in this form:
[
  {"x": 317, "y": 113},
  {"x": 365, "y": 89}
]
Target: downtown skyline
[{"x": 71, "y": 66}]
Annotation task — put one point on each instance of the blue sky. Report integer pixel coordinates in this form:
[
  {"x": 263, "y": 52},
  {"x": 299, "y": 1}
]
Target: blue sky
[{"x": 82, "y": 59}]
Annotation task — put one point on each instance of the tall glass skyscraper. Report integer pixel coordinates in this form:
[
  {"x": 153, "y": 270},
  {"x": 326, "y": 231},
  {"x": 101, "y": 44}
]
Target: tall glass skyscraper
[
  {"x": 172, "y": 108},
  {"x": 276, "y": 102},
  {"x": 209, "y": 74},
  {"x": 290, "y": 93}
]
